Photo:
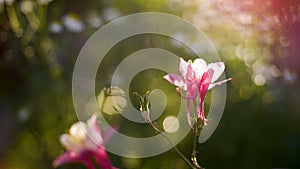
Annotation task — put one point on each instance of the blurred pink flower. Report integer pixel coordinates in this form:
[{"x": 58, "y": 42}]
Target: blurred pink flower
[
  {"x": 196, "y": 78},
  {"x": 84, "y": 143}
]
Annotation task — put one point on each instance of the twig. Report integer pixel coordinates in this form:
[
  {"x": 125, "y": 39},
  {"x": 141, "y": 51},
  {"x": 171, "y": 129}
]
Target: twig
[
  {"x": 172, "y": 144},
  {"x": 194, "y": 153}
]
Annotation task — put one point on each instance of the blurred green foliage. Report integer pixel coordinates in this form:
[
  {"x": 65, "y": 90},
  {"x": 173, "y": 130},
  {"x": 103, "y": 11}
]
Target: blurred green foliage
[{"x": 257, "y": 40}]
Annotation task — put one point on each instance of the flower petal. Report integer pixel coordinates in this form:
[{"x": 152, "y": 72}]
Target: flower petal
[
  {"x": 218, "y": 83},
  {"x": 94, "y": 132},
  {"x": 78, "y": 130},
  {"x": 71, "y": 157},
  {"x": 190, "y": 76},
  {"x": 109, "y": 133},
  {"x": 176, "y": 80},
  {"x": 205, "y": 82},
  {"x": 218, "y": 69},
  {"x": 83, "y": 144},
  {"x": 71, "y": 143},
  {"x": 67, "y": 157},
  {"x": 199, "y": 66},
  {"x": 183, "y": 67}
]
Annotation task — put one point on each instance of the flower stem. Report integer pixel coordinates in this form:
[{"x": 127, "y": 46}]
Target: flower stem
[
  {"x": 194, "y": 153},
  {"x": 172, "y": 144},
  {"x": 145, "y": 112}
]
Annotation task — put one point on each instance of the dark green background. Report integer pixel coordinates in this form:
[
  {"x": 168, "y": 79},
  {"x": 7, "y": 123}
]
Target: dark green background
[{"x": 260, "y": 125}]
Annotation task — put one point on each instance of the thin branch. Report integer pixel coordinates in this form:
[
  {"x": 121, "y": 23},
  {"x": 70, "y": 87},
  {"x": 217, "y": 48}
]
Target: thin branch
[
  {"x": 172, "y": 144},
  {"x": 194, "y": 153}
]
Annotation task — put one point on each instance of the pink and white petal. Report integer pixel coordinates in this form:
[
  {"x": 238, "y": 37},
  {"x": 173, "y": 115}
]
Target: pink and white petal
[
  {"x": 64, "y": 141},
  {"x": 218, "y": 83},
  {"x": 92, "y": 124},
  {"x": 70, "y": 143},
  {"x": 218, "y": 68},
  {"x": 67, "y": 157},
  {"x": 183, "y": 67},
  {"x": 199, "y": 66},
  {"x": 192, "y": 90},
  {"x": 204, "y": 85},
  {"x": 207, "y": 77},
  {"x": 94, "y": 132},
  {"x": 109, "y": 133},
  {"x": 78, "y": 130},
  {"x": 190, "y": 76},
  {"x": 176, "y": 80}
]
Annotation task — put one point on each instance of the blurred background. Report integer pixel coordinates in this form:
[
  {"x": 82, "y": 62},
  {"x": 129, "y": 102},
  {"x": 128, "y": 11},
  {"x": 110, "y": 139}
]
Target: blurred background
[{"x": 258, "y": 41}]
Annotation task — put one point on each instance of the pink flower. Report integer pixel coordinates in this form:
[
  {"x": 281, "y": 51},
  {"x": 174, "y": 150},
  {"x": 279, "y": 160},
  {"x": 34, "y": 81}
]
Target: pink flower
[
  {"x": 84, "y": 143},
  {"x": 196, "y": 79}
]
